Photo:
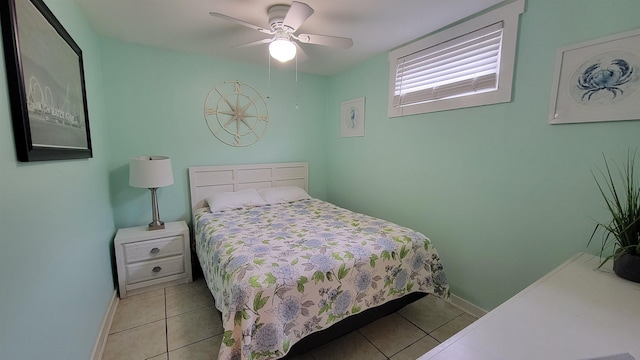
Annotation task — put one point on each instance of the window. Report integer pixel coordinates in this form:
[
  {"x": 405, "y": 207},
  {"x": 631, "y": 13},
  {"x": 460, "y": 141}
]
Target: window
[{"x": 469, "y": 64}]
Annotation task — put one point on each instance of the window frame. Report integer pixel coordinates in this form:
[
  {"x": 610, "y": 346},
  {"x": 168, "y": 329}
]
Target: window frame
[{"x": 509, "y": 15}]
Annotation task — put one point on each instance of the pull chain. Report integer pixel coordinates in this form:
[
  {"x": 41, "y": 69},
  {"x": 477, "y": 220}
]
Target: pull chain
[
  {"x": 297, "y": 107},
  {"x": 269, "y": 78}
]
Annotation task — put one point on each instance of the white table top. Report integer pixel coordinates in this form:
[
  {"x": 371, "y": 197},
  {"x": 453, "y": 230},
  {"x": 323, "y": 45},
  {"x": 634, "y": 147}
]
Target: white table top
[{"x": 574, "y": 312}]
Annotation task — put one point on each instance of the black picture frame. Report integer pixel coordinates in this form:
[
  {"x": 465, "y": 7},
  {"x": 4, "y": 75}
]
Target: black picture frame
[{"x": 45, "y": 77}]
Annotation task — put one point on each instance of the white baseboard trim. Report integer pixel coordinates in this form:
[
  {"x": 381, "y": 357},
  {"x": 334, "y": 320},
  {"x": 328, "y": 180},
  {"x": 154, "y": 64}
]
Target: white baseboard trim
[
  {"x": 101, "y": 342},
  {"x": 467, "y": 306}
]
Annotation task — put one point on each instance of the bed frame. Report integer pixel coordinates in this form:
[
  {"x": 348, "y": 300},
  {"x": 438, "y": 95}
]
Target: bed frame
[{"x": 208, "y": 180}]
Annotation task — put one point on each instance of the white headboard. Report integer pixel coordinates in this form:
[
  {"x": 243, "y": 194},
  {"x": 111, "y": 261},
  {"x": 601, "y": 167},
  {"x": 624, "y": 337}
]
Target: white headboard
[{"x": 208, "y": 180}]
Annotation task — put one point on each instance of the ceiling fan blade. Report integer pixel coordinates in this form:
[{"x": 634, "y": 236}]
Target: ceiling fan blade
[
  {"x": 259, "y": 42},
  {"x": 326, "y": 40},
  {"x": 297, "y": 14},
  {"x": 241, "y": 22}
]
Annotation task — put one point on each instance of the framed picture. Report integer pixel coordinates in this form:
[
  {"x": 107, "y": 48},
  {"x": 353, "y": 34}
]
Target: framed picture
[
  {"x": 597, "y": 80},
  {"x": 46, "y": 84},
  {"x": 352, "y": 119}
]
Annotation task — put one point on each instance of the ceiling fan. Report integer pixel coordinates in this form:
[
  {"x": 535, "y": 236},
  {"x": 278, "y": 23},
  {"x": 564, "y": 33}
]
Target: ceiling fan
[{"x": 284, "y": 20}]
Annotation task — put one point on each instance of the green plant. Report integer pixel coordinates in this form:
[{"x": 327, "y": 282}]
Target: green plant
[{"x": 622, "y": 198}]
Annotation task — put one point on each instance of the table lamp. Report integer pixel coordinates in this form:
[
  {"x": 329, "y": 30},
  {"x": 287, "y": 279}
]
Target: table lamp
[{"x": 151, "y": 172}]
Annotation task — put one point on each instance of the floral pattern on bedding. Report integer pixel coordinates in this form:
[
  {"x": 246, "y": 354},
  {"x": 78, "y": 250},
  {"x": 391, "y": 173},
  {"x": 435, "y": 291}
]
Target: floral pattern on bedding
[{"x": 281, "y": 272}]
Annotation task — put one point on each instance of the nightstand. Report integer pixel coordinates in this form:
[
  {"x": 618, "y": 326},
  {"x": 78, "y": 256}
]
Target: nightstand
[{"x": 152, "y": 259}]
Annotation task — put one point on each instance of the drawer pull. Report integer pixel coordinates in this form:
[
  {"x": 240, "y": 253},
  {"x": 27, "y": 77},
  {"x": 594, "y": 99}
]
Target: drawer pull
[
  {"x": 156, "y": 269},
  {"x": 155, "y": 250}
]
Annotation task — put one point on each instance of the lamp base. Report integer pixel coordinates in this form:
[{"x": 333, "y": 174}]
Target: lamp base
[{"x": 156, "y": 225}]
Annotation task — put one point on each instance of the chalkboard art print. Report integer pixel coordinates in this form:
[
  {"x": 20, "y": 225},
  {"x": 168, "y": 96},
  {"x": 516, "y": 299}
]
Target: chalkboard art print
[{"x": 46, "y": 84}]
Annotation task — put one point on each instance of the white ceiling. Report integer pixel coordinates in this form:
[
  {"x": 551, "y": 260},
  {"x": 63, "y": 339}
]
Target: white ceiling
[{"x": 376, "y": 26}]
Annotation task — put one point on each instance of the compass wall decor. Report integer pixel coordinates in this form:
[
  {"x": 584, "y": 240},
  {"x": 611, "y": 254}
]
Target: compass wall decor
[{"x": 236, "y": 113}]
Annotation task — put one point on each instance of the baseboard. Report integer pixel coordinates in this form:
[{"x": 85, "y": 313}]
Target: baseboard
[
  {"x": 101, "y": 342},
  {"x": 467, "y": 306}
]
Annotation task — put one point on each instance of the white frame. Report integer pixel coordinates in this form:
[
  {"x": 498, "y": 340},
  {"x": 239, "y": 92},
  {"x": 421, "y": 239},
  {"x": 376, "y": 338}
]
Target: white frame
[
  {"x": 352, "y": 126},
  {"x": 509, "y": 14},
  {"x": 564, "y": 108},
  {"x": 205, "y": 181}
]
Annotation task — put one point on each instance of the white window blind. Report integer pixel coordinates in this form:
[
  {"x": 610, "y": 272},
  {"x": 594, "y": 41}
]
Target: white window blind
[{"x": 466, "y": 64}]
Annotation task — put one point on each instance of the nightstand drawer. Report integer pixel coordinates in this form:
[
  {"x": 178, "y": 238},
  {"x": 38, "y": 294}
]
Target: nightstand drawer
[
  {"x": 154, "y": 269},
  {"x": 153, "y": 249}
]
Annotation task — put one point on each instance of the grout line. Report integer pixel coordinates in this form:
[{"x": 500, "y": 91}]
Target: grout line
[
  {"x": 132, "y": 299},
  {"x": 436, "y": 340},
  {"x": 446, "y": 323},
  {"x": 408, "y": 346},
  {"x": 166, "y": 324},
  {"x": 135, "y": 327},
  {"x": 371, "y": 342},
  {"x": 192, "y": 310},
  {"x": 195, "y": 342},
  {"x": 418, "y": 326}
]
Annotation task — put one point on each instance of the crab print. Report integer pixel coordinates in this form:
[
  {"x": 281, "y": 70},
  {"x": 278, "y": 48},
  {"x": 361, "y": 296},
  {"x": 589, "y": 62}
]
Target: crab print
[{"x": 595, "y": 78}]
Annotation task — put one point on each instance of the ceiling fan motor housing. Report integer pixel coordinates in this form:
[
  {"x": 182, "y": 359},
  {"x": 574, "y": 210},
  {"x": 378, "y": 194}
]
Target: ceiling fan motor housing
[{"x": 277, "y": 14}]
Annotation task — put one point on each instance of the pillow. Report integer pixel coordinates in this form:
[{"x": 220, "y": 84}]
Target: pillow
[
  {"x": 234, "y": 200},
  {"x": 283, "y": 194}
]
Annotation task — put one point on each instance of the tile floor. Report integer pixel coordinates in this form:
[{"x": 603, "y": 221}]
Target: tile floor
[{"x": 182, "y": 323}]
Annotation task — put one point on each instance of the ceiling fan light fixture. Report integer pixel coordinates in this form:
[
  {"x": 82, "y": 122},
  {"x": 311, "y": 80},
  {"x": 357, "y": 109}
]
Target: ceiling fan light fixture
[
  {"x": 284, "y": 22},
  {"x": 282, "y": 50}
]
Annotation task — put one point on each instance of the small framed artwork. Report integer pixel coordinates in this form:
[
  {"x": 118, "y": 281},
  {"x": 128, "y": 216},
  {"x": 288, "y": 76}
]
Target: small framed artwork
[
  {"x": 597, "y": 80},
  {"x": 352, "y": 119},
  {"x": 45, "y": 78}
]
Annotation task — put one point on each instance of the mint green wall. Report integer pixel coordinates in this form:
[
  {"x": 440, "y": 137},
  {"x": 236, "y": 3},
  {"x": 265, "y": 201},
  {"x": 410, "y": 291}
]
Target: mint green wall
[
  {"x": 155, "y": 100},
  {"x": 56, "y": 224},
  {"x": 504, "y": 196}
]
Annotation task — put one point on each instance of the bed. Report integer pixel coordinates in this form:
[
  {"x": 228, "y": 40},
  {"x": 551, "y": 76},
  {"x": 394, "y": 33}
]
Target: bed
[{"x": 287, "y": 269}]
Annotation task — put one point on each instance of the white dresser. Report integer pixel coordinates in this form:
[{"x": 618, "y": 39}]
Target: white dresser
[
  {"x": 574, "y": 312},
  {"x": 151, "y": 259}
]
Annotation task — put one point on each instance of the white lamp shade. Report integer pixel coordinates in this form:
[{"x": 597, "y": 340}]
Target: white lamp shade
[
  {"x": 150, "y": 171},
  {"x": 282, "y": 50}
]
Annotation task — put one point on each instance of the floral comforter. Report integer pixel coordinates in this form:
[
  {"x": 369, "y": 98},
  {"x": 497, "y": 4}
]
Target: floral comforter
[{"x": 280, "y": 272}]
